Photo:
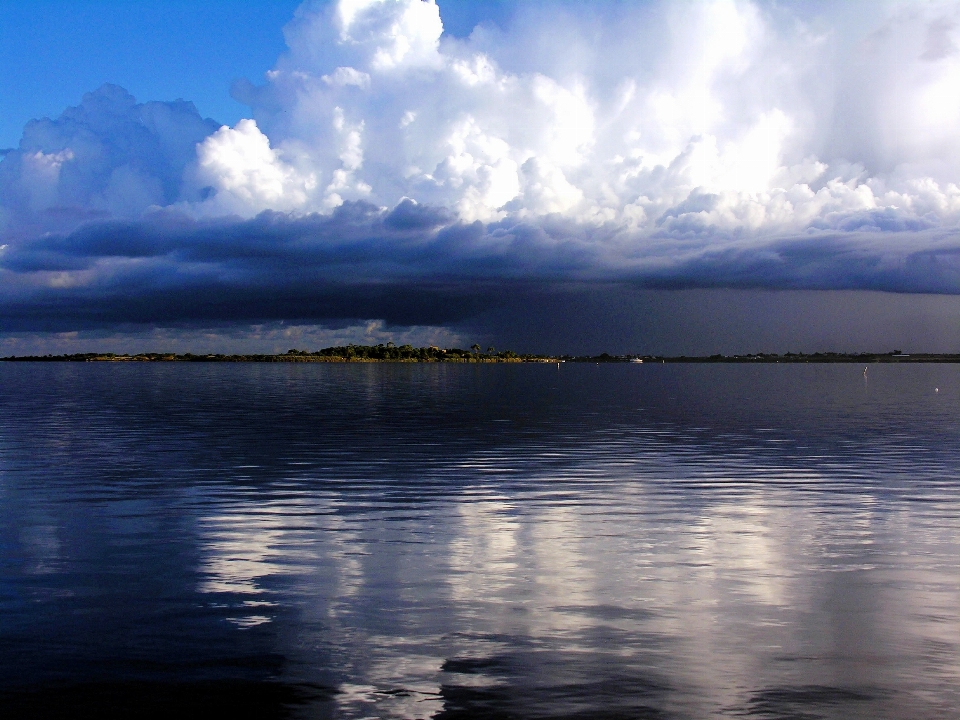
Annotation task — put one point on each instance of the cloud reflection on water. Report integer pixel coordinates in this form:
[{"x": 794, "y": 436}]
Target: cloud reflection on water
[
  {"x": 533, "y": 599},
  {"x": 640, "y": 542}
]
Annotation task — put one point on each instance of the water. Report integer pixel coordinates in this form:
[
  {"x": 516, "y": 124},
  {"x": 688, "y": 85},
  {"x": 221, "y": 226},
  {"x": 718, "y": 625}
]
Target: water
[{"x": 415, "y": 541}]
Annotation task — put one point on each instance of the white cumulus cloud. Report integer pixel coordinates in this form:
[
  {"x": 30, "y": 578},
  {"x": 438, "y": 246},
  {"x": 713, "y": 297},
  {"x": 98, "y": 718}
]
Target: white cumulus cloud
[
  {"x": 247, "y": 175},
  {"x": 715, "y": 119},
  {"x": 784, "y": 117}
]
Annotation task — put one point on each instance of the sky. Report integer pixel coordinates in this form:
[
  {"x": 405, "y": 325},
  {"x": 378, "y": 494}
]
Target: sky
[{"x": 661, "y": 177}]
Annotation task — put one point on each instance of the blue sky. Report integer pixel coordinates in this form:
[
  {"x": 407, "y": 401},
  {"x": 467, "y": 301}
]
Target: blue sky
[
  {"x": 395, "y": 169},
  {"x": 52, "y": 52}
]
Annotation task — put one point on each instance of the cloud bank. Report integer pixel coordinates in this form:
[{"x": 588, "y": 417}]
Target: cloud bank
[{"x": 391, "y": 171}]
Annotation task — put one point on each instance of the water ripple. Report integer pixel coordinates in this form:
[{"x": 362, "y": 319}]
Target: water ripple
[{"x": 430, "y": 541}]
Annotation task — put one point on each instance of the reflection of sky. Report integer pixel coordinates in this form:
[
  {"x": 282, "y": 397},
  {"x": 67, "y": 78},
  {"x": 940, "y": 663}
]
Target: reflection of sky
[
  {"x": 632, "y": 566},
  {"x": 42, "y": 548},
  {"x": 766, "y": 587}
]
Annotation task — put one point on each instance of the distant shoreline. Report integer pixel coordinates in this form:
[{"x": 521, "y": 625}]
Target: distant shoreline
[{"x": 408, "y": 354}]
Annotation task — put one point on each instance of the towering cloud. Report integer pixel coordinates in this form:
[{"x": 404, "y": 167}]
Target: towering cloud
[
  {"x": 730, "y": 116},
  {"x": 107, "y": 157},
  {"x": 713, "y": 144}
]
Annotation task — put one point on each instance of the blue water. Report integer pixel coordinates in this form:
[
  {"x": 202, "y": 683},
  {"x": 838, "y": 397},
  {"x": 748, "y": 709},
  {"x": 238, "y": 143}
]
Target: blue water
[{"x": 492, "y": 541}]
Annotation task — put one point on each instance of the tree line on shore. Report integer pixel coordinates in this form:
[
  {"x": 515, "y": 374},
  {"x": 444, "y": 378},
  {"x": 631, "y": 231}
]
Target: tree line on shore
[
  {"x": 384, "y": 352},
  {"x": 389, "y": 352}
]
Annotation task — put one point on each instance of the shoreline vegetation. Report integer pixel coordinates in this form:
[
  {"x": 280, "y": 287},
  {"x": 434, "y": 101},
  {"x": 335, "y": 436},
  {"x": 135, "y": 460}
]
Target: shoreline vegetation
[{"x": 407, "y": 354}]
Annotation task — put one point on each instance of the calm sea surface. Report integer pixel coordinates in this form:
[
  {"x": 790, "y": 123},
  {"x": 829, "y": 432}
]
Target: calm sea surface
[{"x": 512, "y": 541}]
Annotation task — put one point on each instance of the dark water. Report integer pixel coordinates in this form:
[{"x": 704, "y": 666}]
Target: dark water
[{"x": 622, "y": 541}]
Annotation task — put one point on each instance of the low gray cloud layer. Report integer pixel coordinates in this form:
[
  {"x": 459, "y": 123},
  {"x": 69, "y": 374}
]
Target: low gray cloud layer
[{"x": 416, "y": 265}]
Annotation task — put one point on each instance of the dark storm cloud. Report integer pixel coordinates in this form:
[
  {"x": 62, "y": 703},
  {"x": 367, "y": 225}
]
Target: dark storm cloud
[
  {"x": 417, "y": 265},
  {"x": 823, "y": 262}
]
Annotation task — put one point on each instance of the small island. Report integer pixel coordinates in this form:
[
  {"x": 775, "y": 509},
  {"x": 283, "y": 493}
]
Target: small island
[
  {"x": 341, "y": 353},
  {"x": 432, "y": 354}
]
